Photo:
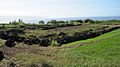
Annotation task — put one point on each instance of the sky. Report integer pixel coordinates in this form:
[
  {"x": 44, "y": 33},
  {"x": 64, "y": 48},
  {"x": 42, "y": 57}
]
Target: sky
[{"x": 60, "y": 8}]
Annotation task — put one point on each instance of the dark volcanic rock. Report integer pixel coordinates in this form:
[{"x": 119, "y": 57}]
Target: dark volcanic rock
[
  {"x": 1, "y": 55},
  {"x": 10, "y": 43}
]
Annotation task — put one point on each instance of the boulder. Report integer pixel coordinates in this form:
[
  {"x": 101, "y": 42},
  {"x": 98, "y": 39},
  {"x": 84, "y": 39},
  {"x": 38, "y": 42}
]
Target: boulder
[
  {"x": 1, "y": 55},
  {"x": 10, "y": 43}
]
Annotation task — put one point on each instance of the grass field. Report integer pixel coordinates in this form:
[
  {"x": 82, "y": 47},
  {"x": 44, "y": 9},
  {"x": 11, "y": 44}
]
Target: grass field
[
  {"x": 110, "y": 34},
  {"x": 67, "y": 30},
  {"x": 102, "y": 51},
  {"x": 2, "y": 42}
]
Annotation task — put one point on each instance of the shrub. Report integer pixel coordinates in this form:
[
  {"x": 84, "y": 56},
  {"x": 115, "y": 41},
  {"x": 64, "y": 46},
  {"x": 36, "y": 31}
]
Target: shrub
[{"x": 54, "y": 43}]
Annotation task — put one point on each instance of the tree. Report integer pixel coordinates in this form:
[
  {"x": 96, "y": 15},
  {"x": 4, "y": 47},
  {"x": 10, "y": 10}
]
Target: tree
[
  {"x": 92, "y": 21},
  {"x": 67, "y": 22},
  {"x": 76, "y": 21},
  {"x": 53, "y": 22},
  {"x": 14, "y": 22},
  {"x": 20, "y": 20},
  {"x": 3, "y": 26},
  {"x": 41, "y": 22},
  {"x": 62, "y": 22},
  {"x": 79, "y": 21},
  {"x": 10, "y": 22},
  {"x": 89, "y": 21}
]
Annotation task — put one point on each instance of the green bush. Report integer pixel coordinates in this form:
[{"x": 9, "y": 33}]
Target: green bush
[{"x": 54, "y": 43}]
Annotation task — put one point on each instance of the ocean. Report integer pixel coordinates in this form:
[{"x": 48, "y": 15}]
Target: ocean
[{"x": 34, "y": 19}]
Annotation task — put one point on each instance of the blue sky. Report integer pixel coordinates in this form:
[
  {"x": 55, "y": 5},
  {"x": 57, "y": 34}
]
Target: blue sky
[{"x": 60, "y": 8}]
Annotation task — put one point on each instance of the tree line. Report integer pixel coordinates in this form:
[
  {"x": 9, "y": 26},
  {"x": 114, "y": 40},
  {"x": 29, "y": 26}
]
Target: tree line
[{"x": 54, "y": 22}]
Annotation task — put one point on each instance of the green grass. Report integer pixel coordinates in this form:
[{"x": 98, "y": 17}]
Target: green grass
[
  {"x": 107, "y": 35},
  {"x": 110, "y": 22},
  {"x": 101, "y": 54},
  {"x": 68, "y": 30},
  {"x": 104, "y": 53},
  {"x": 2, "y": 42}
]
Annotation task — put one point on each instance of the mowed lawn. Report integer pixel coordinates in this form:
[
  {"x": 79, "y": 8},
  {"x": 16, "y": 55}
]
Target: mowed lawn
[{"x": 103, "y": 52}]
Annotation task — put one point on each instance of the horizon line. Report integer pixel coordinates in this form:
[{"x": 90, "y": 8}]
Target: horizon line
[{"x": 59, "y": 17}]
